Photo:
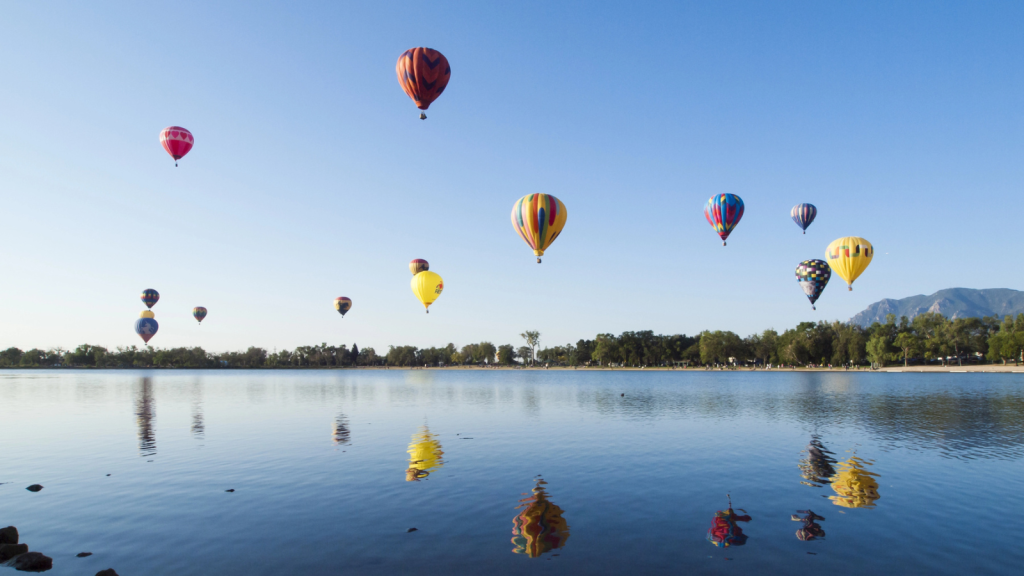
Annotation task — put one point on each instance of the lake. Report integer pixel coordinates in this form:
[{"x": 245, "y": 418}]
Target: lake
[{"x": 514, "y": 472}]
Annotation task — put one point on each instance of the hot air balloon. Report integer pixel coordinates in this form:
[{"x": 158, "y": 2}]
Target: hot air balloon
[
  {"x": 723, "y": 212},
  {"x": 146, "y": 326},
  {"x": 724, "y": 529},
  {"x": 150, "y": 297},
  {"x": 849, "y": 257},
  {"x": 199, "y": 312},
  {"x": 177, "y": 141},
  {"x": 342, "y": 305},
  {"x": 854, "y": 485},
  {"x": 424, "y": 455},
  {"x": 539, "y": 219},
  {"x": 423, "y": 74},
  {"x": 539, "y": 528},
  {"x": 427, "y": 286},
  {"x": 803, "y": 215},
  {"x": 813, "y": 276},
  {"x": 418, "y": 265}
]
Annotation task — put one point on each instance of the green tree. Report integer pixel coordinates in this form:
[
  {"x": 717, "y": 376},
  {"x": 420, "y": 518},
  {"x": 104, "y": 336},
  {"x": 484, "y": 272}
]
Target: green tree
[
  {"x": 532, "y": 338},
  {"x": 908, "y": 343},
  {"x": 506, "y": 354}
]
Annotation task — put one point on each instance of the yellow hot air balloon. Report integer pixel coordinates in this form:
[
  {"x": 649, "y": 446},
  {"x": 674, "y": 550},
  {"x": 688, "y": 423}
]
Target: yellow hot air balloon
[
  {"x": 538, "y": 219},
  {"x": 146, "y": 314},
  {"x": 849, "y": 257},
  {"x": 427, "y": 286},
  {"x": 424, "y": 455}
]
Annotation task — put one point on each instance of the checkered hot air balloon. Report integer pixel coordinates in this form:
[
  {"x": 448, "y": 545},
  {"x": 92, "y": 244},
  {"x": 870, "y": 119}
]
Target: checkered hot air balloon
[
  {"x": 803, "y": 215},
  {"x": 423, "y": 74},
  {"x": 177, "y": 141},
  {"x": 150, "y": 297},
  {"x": 199, "y": 313},
  {"x": 813, "y": 276},
  {"x": 723, "y": 212}
]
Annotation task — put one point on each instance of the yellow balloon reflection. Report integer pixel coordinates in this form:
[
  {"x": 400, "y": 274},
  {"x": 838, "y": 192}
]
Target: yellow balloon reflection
[
  {"x": 539, "y": 528},
  {"x": 855, "y": 486},
  {"x": 424, "y": 455}
]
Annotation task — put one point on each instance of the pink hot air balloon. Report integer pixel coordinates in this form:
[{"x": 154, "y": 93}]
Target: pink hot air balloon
[{"x": 177, "y": 141}]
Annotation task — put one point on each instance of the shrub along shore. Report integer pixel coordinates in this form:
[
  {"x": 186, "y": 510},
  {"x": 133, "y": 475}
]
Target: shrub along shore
[{"x": 929, "y": 340}]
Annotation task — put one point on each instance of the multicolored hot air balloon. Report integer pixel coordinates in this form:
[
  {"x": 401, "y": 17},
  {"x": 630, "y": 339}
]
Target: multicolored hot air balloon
[
  {"x": 724, "y": 529},
  {"x": 342, "y": 305},
  {"x": 146, "y": 326},
  {"x": 813, "y": 276},
  {"x": 150, "y": 297},
  {"x": 177, "y": 141},
  {"x": 539, "y": 219},
  {"x": 849, "y": 257},
  {"x": 803, "y": 215},
  {"x": 423, "y": 74},
  {"x": 424, "y": 455},
  {"x": 427, "y": 286},
  {"x": 723, "y": 212},
  {"x": 854, "y": 485},
  {"x": 539, "y": 528},
  {"x": 199, "y": 313},
  {"x": 418, "y": 265}
]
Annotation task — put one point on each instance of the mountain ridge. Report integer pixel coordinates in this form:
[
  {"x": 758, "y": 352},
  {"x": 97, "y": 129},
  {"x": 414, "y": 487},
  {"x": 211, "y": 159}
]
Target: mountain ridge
[{"x": 952, "y": 303}]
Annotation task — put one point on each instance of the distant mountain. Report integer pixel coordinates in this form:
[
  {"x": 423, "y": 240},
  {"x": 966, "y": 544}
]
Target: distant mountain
[{"x": 951, "y": 303}]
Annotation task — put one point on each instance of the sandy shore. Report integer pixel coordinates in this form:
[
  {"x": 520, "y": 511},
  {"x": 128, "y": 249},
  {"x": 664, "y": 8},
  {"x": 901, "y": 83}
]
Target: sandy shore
[{"x": 994, "y": 368}]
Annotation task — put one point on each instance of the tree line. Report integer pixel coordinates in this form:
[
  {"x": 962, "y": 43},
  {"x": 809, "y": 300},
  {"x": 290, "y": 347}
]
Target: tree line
[{"x": 927, "y": 338}]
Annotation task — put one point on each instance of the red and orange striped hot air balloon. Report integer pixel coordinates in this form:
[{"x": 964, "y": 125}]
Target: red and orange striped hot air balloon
[{"x": 423, "y": 74}]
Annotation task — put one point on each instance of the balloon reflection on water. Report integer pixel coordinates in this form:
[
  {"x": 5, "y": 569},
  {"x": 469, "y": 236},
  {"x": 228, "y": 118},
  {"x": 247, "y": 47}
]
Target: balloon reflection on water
[
  {"x": 817, "y": 467},
  {"x": 424, "y": 455},
  {"x": 724, "y": 529},
  {"x": 340, "y": 432},
  {"x": 854, "y": 485},
  {"x": 539, "y": 528}
]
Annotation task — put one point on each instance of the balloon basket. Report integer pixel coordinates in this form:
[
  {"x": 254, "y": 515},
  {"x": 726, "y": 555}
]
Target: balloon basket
[
  {"x": 538, "y": 260},
  {"x": 423, "y": 116}
]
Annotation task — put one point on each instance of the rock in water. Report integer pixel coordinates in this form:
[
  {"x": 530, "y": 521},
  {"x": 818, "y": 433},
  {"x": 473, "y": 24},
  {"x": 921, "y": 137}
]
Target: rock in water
[
  {"x": 33, "y": 562},
  {"x": 107, "y": 572},
  {"x": 34, "y": 488},
  {"x": 9, "y": 535},
  {"x": 8, "y": 551},
  {"x": 412, "y": 529},
  {"x": 83, "y": 554},
  {"x": 231, "y": 490}
]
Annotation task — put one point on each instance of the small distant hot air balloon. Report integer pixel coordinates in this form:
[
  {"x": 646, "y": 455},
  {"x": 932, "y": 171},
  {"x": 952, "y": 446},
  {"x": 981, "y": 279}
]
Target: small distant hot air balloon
[
  {"x": 199, "y": 313},
  {"x": 723, "y": 212},
  {"x": 342, "y": 305},
  {"x": 418, "y": 265},
  {"x": 146, "y": 326},
  {"x": 849, "y": 257},
  {"x": 177, "y": 141},
  {"x": 427, "y": 286},
  {"x": 813, "y": 276},
  {"x": 539, "y": 219},
  {"x": 150, "y": 297},
  {"x": 423, "y": 74},
  {"x": 803, "y": 215},
  {"x": 539, "y": 528}
]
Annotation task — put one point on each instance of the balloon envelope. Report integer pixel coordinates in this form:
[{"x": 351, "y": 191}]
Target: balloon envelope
[
  {"x": 418, "y": 265},
  {"x": 199, "y": 313},
  {"x": 177, "y": 141},
  {"x": 538, "y": 219},
  {"x": 150, "y": 297},
  {"x": 147, "y": 314},
  {"x": 342, "y": 305},
  {"x": 423, "y": 74},
  {"x": 146, "y": 328},
  {"x": 849, "y": 257},
  {"x": 427, "y": 286},
  {"x": 813, "y": 276},
  {"x": 803, "y": 215},
  {"x": 723, "y": 212}
]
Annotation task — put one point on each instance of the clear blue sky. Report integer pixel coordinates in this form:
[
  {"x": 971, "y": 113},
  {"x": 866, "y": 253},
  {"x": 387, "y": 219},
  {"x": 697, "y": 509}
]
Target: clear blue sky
[{"x": 311, "y": 177}]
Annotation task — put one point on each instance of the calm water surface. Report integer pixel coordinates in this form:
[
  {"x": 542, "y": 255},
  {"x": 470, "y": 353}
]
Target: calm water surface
[{"x": 513, "y": 472}]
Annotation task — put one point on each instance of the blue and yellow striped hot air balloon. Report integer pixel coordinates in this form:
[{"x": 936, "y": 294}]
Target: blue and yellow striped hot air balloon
[
  {"x": 538, "y": 219},
  {"x": 150, "y": 297},
  {"x": 723, "y": 212}
]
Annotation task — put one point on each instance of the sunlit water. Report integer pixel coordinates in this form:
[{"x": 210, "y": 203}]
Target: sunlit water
[{"x": 513, "y": 472}]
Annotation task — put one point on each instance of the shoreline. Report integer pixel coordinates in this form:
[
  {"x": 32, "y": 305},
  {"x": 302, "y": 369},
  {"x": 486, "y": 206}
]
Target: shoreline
[{"x": 986, "y": 368}]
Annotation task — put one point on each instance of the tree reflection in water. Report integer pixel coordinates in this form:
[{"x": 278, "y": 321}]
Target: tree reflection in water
[{"x": 145, "y": 413}]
